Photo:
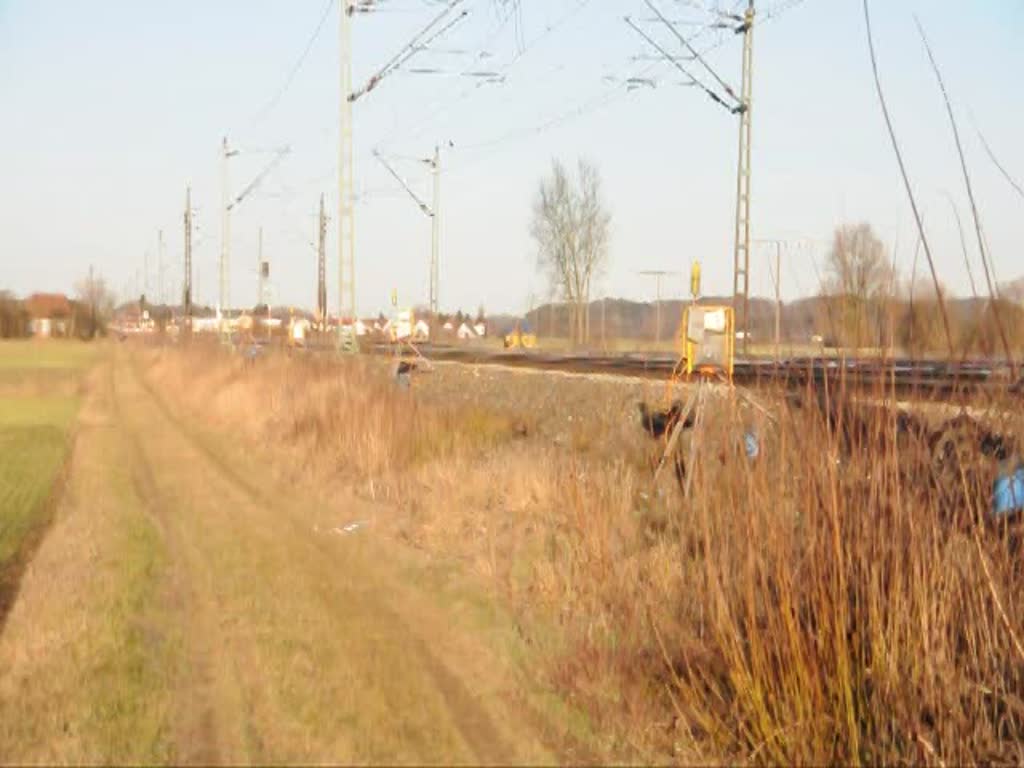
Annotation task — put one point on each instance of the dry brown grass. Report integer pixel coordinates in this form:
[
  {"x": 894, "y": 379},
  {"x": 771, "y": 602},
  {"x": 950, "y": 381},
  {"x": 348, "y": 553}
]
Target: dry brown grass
[{"x": 831, "y": 601}]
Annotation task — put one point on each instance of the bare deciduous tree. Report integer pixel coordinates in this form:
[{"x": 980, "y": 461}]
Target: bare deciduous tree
[
  {"x": 95, "y": 305},
  {"x": 1013, "y": 291},
  {"x": 14, "y": 320},
  {"x": 919, "y": 328},
  {"x": 571, "y": 227},
  {"x": 858, "y": 281}
]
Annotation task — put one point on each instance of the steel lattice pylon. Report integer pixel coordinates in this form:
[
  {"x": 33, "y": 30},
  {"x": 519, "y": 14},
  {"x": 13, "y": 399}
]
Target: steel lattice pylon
[
  {"x": 346, "y": 213},
  {"x": 321, "y": 268},
  {"x": 186, "y": 299},
  {"x": 435, "y": 242},
  {"x": 741, "y": 260}
]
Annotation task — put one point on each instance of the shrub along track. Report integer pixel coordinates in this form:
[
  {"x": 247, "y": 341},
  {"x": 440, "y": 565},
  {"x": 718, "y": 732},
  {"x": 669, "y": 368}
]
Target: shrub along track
[{"x": 257, "y": 639}]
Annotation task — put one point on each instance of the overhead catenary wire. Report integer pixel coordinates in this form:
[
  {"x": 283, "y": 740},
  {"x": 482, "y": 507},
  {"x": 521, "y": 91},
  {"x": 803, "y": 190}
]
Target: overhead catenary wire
[
  {"x": 735, "y": 109},
  {"x": 584, "y": 107},
  {"x": 254, "y": 184},
  {"x": 444, "y": 104},
  {"x": 411, "y": 48},
  {"x": 693, "y": 51},
  {"x": 297, "y": 67},
  {"x": 439, "y": 104},
  {"x": 422, "y": 205}
]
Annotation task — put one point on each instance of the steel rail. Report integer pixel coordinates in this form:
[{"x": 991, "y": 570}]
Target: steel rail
[{"x": 914, "y": 377}]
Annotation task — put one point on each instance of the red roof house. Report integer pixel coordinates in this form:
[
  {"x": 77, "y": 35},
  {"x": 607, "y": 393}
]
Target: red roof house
[{"x": 49, "y": 314}]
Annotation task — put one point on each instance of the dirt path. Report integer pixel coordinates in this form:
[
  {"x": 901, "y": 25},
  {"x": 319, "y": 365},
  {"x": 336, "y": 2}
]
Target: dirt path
[{"x": 252, "y": 636}]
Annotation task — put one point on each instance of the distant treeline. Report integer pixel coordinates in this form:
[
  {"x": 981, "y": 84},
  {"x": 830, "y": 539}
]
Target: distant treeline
[
  {"x": 914, "y": 326},
  {"x": 14, "y": 317},
  {"x": 16, "y": 320}
]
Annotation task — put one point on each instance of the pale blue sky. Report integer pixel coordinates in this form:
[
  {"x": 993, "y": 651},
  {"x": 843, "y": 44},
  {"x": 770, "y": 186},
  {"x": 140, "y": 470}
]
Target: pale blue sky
[{"x": 111, "y": 108}]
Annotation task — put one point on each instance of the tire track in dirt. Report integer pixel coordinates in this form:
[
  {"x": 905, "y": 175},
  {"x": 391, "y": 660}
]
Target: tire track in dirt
[
  {"x": 200, "y": 735},
  {"x": 81, "y": 658},
  {"x": 471, "y": 719}
]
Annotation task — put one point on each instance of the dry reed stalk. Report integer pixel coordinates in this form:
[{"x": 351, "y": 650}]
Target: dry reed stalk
[
  {"x": 992, "y": 287},
  {"x": 796, "y": 609},
  {"x": 906, "y": 180}
]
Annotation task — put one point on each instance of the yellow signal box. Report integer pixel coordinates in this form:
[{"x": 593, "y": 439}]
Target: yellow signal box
[{"x": 709, "y": 340}]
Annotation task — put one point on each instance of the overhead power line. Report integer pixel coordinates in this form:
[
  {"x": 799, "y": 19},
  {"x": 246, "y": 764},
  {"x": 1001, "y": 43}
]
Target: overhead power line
[
  {"x": 254, "y": 184},
  {"x": 297, "y": 67},
  {"x": 675, "y": 62},
  {"x": 502, "y": 72},
  {"x": 693, "y": 51},
  {"x": 416, "y": 198},
  {"x": 583, "y": 107},
  {"x": 421, "y": 40}
]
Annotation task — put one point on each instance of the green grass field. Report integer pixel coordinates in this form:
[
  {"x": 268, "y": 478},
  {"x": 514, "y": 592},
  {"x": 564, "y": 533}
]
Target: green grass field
[
  {"x": 26, "y": 356},
  {"x": 35, "y": 424}
]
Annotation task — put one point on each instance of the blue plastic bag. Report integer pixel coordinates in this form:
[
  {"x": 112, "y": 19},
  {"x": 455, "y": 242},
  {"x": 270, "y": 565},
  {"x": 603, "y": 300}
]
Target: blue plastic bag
[
  {"x": 1008, "y": 493},
  {"x": 751, "y": 445}
]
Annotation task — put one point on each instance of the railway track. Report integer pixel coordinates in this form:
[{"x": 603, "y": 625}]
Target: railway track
[{"x": 934, "y": 379}]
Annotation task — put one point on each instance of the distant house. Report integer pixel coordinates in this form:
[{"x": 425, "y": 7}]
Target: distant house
[
  {"x": 421, "y": 330},
  {"x": 298, "y": 328},
  {"x": 465, "y": 332},
  {"x": 205, "y": 324},
  {"x": 402, "y": 327},
  {"x": 49, "y": 315}
]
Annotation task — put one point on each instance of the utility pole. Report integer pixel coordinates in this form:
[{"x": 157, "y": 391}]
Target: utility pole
[
  {"x": 346, "y": 211},
  {"x": 225, "y": 237},
  {"x": 740, "y": 105},
  {"x": 741, "y": 256},
  {"x": 263, "y": 272},
  {"x": 259, "y": 267},
  {"x": 321, "y": 269},
  {"x": 228, "y": 204},
  {"x": 160, "y": 266},
  {"x": 225, "y": 225},
  {"x": 657, "y": 274},
  {"x": 778, "y": 301},
  {"x": 186, "y": 298},
  {"x": 92, "y": 304},
  {"x": 435, "y": 242},
  {"x": 604, "y": 312},
  {"x": 778, "y": 293},
  {"x": 434, "y": 212}
]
